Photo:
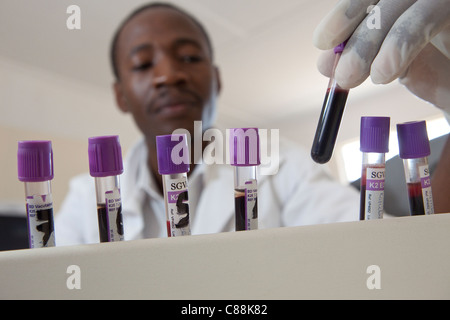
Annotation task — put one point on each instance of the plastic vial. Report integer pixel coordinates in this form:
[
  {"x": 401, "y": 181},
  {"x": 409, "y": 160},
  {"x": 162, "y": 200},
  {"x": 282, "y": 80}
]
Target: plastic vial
[
  {"x": 105, "y": 165},
  {"x": 374, "y": 143},
  {"x": 330, "y": 116},
  {"x": 414, "y": 149},
  {"x": 35, "y": 169},
  {"x": 245, "y": 157},
  {"x": 173, "y": 165}
]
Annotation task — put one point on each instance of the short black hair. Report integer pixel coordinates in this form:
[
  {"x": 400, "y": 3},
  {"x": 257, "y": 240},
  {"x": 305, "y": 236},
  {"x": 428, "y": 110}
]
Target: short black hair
[{"x": 113, "y": 49}]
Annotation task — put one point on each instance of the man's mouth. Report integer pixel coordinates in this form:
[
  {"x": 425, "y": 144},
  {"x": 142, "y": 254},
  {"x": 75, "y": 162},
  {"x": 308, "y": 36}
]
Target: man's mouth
[
  {"x": 174, "y": 104},
  {"x": 174, "y": 108}
]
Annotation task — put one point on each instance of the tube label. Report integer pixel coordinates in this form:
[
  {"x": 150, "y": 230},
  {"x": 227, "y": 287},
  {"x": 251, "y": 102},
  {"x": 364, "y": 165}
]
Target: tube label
[
  {"x": 40, "y": 221},
  {"x": 177, "y": 206},
  {"x": 246, "y": 205},
  {"x": 114, "y": 218},
  {"x": 374, "y": 203},
  {"x": 251, "y": 197},
  {"x": 425, "y": 182}
]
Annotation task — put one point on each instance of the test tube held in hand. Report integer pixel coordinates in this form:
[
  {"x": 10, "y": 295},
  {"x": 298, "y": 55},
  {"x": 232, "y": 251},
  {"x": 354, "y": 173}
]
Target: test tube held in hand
[
  {"x": 414, "y": 148},
  {"x": 374, "y": 143},
  {"x": 330, "y": 116},
  {"x": 245, "y": 157},
  {"x": 35, "y": 169},
  {"x": 173, "y": 166},
  {"x": 106, "y": 166}
]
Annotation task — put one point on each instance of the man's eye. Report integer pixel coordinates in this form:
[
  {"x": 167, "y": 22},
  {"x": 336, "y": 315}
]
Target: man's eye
[
  {"x": 191, "y": 59},
  {"x": 142, "y": 66}
]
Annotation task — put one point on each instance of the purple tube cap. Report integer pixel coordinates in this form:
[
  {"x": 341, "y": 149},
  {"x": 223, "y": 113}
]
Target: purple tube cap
[
  {"x": 374, "y": 135},
  {"x": 244, "y": 147},
  {"x": 105, "y": 156},
  {"x": 35, "y": 161},
  {"x": 340, "y": 47},
  {"x": 413, "y": 140},
  {"x": 173, "y": 154}
]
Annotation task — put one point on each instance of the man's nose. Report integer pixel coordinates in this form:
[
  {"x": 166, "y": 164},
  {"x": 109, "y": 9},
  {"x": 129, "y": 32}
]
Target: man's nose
[{"x": 168, "y": 72}]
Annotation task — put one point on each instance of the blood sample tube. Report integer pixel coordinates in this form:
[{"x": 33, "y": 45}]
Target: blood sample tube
[
  {"x": 330, "y": 116},
  {"x": 173, "y": 165},
  {"x": 414, "y": 148},
  {"x": 105, "y": 165},
  {"x": 245, "y": 157},
  {"x": 35, "y": 169},
  {"x": 374, "y": 143}
]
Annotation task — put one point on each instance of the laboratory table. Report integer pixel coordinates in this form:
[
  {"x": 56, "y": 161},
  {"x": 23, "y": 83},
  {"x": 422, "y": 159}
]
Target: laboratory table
[{"x": 396, "y": 258}]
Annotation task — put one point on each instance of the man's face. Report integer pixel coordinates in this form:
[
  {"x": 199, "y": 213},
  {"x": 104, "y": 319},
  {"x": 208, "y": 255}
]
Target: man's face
[{"x": 167, "y": 79}]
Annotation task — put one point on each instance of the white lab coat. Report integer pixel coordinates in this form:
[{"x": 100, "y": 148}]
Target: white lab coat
[{"x": 301, "y": 193}]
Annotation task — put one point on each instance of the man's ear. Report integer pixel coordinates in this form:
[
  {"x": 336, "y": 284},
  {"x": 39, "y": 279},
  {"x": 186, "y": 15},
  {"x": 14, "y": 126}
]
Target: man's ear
[
  {"x": 121, "y": 101},
  {"x": 218, "y": 81}
]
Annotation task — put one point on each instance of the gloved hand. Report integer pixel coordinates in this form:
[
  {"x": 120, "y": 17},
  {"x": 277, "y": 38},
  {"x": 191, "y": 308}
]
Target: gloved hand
[{"x": 406, "y": 39}]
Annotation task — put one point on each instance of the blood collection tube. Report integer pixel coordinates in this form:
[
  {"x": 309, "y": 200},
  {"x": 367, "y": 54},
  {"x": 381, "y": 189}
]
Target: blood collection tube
[
  {"x": 374, "y": 143},
  {"x": 105, "y": 165},
  {"x": 173, "y": 165},
  {"x": 330, "y": 116},
  {"x": 245, "y": 157},
  {"x": 414, "y": 148},
  {"x": 35, "y": 169}
]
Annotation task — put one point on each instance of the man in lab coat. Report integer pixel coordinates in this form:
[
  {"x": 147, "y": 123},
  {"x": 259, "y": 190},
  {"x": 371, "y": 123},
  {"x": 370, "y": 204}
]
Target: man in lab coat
[{"x": 166, "y": 79}]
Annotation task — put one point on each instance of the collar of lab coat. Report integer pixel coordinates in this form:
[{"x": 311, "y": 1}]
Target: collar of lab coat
[
  {"x": 136, "y": 183},
  {"x": 214, "y": 210}
]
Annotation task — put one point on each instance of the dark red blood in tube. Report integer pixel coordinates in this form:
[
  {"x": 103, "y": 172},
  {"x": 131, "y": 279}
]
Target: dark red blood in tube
[
  {"x": 328, "y": 126},
  {"x": 416, "y": 199}
]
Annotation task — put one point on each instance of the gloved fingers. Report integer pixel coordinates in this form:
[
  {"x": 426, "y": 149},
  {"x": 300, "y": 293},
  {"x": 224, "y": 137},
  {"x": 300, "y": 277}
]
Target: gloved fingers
[
  {"x": 428, "y": 77},
  {"x": 325, "y": 62},
  {"x": 340, "y": 23},
  {"x": 442, "y": 41},
  {"x": 355, "y": 64},
  {"x": 408, "y": 36}
]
